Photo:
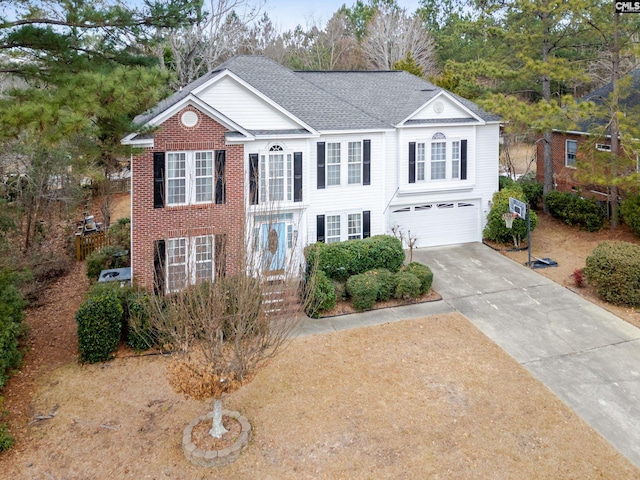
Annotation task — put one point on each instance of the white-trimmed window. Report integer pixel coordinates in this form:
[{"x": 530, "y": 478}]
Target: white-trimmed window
[
  {"x": 189, "y": 260},
  {"x": 333, "y": 228},
  {"x": 571, "y": 152},
  {"x": 421, "y": 159},
  {"x": 438, "y": 157},
  {"x": 441, "y": 158},
  {"x": 276, "y": 175},
  {"x": 455, "y": 160},
  {"x": 354, "y": 225},
  {"x": 190, "y": 177},
  {"x": 333, "y": 164},
  {"x": 354, "y": 157}
]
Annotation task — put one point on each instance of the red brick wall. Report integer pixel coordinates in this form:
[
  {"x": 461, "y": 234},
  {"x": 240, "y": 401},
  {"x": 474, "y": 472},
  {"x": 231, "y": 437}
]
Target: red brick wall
[
  {"x": 150, "y": 224},
  {"x": 564, "y": 176}
]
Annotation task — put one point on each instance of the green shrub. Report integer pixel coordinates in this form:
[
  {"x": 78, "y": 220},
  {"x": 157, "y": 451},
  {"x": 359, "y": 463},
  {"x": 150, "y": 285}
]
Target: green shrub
[
  {"x": 11, "y": 315},
  {"x": 614, "y": 269},
  {"x": 408, "y": 285},
  {"x": 630, "y": 212},
  {"x": 424, "y": 274},
  {"x": 344, "y": 259},
  {"x": 138, "y": 330},
  {"x": 496, "y": 229},
  {"x": 505, "y": 182},
  {"x": 575, "y": 210},
  {"x": 531, "y": 188},
  {"x": 323, "y": 295},
  {"x": 363, "y": 290},
  {"x": 99, "y": 326},
  {"x": 109, "y": 257},
  {"x": 386, "y": 283}
]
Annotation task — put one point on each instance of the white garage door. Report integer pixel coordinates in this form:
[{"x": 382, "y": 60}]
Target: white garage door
[{"x": 440, "y": 223}]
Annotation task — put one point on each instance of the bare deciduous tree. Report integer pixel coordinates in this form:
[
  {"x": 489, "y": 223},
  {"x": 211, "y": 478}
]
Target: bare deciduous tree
[
  {"x": 217, "y": 36},
  {"x": 221, "y": 332},
  {"x": 391, "y": 34}
]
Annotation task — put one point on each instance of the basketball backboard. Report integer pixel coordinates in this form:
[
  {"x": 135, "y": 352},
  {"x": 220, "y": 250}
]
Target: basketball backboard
[{"x": 518, "y": 207}]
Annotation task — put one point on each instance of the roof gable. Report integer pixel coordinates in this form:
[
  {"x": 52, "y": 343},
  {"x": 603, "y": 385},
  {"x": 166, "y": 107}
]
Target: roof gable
[{"x": 444, "y": 108}]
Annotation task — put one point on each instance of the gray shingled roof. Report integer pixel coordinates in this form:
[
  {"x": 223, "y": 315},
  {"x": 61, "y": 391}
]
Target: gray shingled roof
[{"x": 328, "y": 100}]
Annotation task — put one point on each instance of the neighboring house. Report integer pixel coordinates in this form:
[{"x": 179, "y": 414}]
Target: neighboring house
[
  {"x": 340, "y": 155},
  {"x": 566, "y": 144}
]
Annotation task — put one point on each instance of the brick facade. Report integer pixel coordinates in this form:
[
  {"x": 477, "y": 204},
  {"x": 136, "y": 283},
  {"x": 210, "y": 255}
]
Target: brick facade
[
  {"x": 564, "y": 177},
  {"x": 150, "y": 224}
]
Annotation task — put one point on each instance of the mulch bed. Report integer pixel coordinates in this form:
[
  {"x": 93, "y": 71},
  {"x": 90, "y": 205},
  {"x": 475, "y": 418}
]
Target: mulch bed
[{"x": 344, "y": 307}]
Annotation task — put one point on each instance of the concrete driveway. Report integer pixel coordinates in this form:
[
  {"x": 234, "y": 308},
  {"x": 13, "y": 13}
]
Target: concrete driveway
[{"x": 587, "y": 356}]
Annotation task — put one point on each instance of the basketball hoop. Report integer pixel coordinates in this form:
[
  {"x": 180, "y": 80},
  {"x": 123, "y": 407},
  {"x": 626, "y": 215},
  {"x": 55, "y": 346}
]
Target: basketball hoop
[{"x": 508, "y": 218}]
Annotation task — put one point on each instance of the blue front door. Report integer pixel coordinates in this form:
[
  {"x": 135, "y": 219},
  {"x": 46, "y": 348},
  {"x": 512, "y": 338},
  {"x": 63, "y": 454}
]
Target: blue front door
[{"x": 273, "y": 246}]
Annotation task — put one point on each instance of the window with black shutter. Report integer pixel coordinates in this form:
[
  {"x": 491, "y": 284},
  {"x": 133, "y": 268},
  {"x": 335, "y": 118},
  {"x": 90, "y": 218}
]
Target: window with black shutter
[
  {"x": 297, "y": 176},
  {"x": 366, "y": 162},
  {"x": 463, "y": 160},
  {"x": 320, "y": 228},
  {"x": 366, "y": 224},
  {"x": 321, "y": 165},
  {"x": 412, "y": 162},
  {"x": 159, "y": 260},
  {"x": 158, "y": 179},
  {"x": 221, "y": 184},
  {"x": 253, "y": 178}
]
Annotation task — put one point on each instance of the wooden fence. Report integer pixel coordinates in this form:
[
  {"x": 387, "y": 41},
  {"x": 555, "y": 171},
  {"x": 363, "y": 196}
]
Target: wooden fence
[{"x": 85, "y": 244}]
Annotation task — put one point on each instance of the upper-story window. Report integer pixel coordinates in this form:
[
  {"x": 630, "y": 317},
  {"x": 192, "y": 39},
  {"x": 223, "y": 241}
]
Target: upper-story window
[
  {"x": 190, "y": 177},
  {"x": 275, "y": 175},
  {"x": 571, "y": 152},
  {"x": 334, "y": 171},
  {"x": 333, "y": 164},
  {"x": 276, "y": 172},
  {"x": 355, "y": 163},
  {"x": 441, "y": 158}
]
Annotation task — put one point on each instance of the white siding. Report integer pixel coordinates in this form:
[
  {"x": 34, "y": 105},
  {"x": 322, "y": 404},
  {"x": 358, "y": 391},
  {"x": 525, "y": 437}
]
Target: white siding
[
  {"x": 487, "y": 160},
  {"x": 244, "y": 107},
  {"x": 333, "y": 200}
]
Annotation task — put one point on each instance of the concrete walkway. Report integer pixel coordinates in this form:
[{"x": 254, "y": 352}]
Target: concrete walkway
[{"x": 587, "y": 356}]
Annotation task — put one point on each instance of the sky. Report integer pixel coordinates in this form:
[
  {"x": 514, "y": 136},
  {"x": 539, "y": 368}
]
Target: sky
[{"x": 286, "y": 14}]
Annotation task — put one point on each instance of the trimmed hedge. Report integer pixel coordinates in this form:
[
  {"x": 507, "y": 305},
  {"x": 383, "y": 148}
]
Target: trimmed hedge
[
  {"x": 575, "y": 210},
  {"x": 496, "y": 229},
  {"x": 323, "y": 295},
  {"x": 363, "y": 290},
  {"x": 614, "y": 269},
  {"x": 424, "y": 274},
  {"x": 99, "y": 321},
  {"x": 408, "y": 285},
  {"x": 11, "y": 315},
  {"x": 630, "y": 212},
  {"x": 344, "y": 259}
]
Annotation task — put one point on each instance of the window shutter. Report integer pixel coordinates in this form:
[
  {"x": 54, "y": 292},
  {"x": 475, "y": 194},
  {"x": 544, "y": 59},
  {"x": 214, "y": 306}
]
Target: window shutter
[
  {"x": 297, "y": 176},
  {"x": 221, "y": 184},
  {"x": 366, "y": 162},
  {"x": 320, "y": 228},
  {"x": 253, "y": 178},
  {"x": 463, "y": 160},
  {"x": 220, "y": 255},
  {"x": 412, "y": 162},
  {"x": 158, "y": 179},
  {"x": 321, "y": 165},
  {"x": 366, "y": 224},
  {"x": 159, "y": 259}
]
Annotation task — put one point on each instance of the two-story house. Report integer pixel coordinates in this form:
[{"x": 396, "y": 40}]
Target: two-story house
[{"x": 337, "y": 156}]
